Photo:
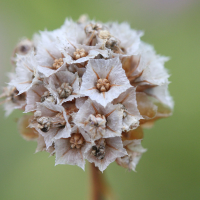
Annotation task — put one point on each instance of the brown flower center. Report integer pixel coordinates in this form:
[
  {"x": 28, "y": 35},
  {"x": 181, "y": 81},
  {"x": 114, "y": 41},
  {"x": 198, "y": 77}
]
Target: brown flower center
[
  {"x": 58, "y": 63},
  {"x": 64, "y": 91},
  {"x": 47, "y": 96},
  {"x": 99, "y": 149},
  {"x": 98, "y": 121},
  {"x": 104, "y": 34},
  {"x": 79, "y": 53},
  {"x": 44, "y": 124},
  {"x": 58, "y": 121},
  {"x": 76, "y": 141},
  {"x": 103, "y": 85},
  {"x": 113, "y": 44}
]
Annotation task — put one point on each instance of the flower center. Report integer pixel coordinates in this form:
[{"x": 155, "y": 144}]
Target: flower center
[
  {"x": 99, "y": 149},
  {"x": 58, "y": 63},
  {"x": 44, "y": 124},
  {"x": 58, "y": 121},
  {"x": 104, "y": 34},
  {"x": 47, "y": 97},
  {"x": 124, "y": 110},
  {"x": 113, "y": 44},
  {"x": 97, "y": 121},
  {"x": 64, "y": 91},
  {"x": 103, "y": 85},
  {"x": 79, "y": 53},
  {"x": 76, "y": 141},
  {"x": 92, "y": 27}
]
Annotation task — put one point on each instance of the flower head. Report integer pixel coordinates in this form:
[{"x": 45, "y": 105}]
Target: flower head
[{"x": 90, "y": 88}]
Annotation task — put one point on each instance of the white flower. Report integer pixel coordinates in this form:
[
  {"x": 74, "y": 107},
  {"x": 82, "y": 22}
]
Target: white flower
[
  {"x": 150, "y": 67},
  {"x": 135, "y": 151},
  {"x": 80, "y": 53},
  {"x": 12, "y": 99},
  {"x": 128, "y": 106},
  {"x": 125, "y": 40},
  {"x": 104, "y": 80},
  {"x": 98, "y": 121},
  {"x": 51, "y": 122},
  {"x": 91, "y": 88},
  {"x": 93, "y": 31},
  {"x": 41, "y": 146},
  {"x": 73, "y": 31},
  {"x": 26, "y": 73},
  {"x": 49, "y": 55},
  {"x": 162, "y": 94},
  {"x": 64, "y": 85},
  {"x": 38, "y": 93},
  {"x": 105, "y": 151},
  {"x": 72, "y": 150}
]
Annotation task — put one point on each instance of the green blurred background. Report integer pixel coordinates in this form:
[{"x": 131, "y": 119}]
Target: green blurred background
[{"x": 170, "y": 169}]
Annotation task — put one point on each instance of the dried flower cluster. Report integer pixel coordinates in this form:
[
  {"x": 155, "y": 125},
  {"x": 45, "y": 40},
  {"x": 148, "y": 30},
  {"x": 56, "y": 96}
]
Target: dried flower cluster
[{"x": 91, "y": 88}]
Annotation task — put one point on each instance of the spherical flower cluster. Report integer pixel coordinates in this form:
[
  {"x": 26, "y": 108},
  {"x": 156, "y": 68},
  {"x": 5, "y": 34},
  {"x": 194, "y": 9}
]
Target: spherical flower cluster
[{"x": 91, "y": 88}]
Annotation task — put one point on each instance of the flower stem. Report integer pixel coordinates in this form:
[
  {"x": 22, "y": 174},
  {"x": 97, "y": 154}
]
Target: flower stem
[{"x": 100, "y": 190}]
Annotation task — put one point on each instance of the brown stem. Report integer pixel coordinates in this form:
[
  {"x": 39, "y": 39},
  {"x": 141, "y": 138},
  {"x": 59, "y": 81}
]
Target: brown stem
[{"x": 100, "y": 190}]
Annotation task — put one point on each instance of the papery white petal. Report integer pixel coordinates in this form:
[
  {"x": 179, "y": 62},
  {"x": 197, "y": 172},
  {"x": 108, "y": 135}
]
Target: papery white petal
[
  {"x": 47, "y": 51},
  {"x": 50, "y": 110},
  {"x": 74, "y": 68},
  {"x": 27, "y": 66},
  {"x": 113, "y": 120},
  {"x": 80, "y": 101},
  {"x": 9, "y": 107},
  {"x": 162, "y": 94},
  {"x": 69, "y": 156},
  {"x": 56, "y": 80},
  {"x": 128, "y": 103},
  {"x": 41, "y": 146},
  {"x": 66, "y": 155},
  {"x": 152, "y": 66},
  {"x": 117, "y": 78},
  {"x": 113, "y": 150},
  {"x": 129, "y": 38},
  {"x": 33, "y": 96},
  {"x": 135, "y": 151},
  {"x": 73, "y": 31}
]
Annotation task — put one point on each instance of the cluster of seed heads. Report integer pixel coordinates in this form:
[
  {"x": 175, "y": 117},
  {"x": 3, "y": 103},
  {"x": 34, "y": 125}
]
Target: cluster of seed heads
[{"x": 91, "y": 88}]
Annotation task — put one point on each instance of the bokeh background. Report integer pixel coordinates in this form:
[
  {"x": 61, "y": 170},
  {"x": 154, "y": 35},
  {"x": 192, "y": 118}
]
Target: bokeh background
[{"x": 170, "y": 169}]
